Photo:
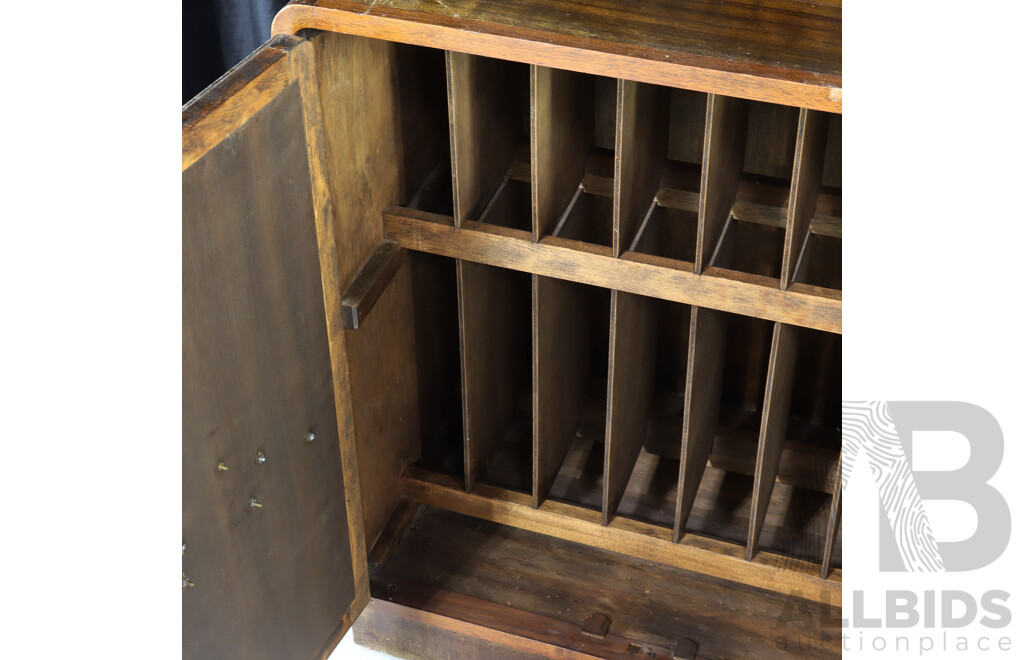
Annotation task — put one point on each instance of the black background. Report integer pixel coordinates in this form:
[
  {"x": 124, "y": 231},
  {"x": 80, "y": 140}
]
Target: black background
[{"x": 217, "y": 34}]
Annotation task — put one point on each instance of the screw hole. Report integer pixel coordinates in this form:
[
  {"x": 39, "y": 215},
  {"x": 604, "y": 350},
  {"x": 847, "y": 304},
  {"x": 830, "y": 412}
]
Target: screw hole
[{"x": 392, "y": 588}]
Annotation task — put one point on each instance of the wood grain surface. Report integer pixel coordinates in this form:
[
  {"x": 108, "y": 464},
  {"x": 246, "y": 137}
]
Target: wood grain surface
[
  {"x": 649, "y": 605},
  {"x": 274, "y": 581},
  {"x": 561, "y": 133},
  {"x": 706, "y": 360},
  {"x": 631, "y": 356},
  {"x": 786, "y": 51},
  {"x": 234, "y": 97},
  {"x": 561, "y": 349},
  {"x": 645, "y": 541},
  {"x": 774, "y": 419},
  {"x": 641, "y": 143}
]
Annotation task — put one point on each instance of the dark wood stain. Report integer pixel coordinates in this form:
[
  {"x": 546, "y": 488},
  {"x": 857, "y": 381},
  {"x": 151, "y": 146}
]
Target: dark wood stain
[
  {"x": 606, "y": 319},
  {"x": 275, "y": 581},
  {"x": 646, "y": 602},
  {"x": 785, "y": 49}
]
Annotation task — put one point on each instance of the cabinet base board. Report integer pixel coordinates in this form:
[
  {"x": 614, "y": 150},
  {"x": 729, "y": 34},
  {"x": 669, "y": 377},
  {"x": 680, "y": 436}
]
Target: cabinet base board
[
  {"x": 644, "y": 541},
  {"x": 460, "y": 587}
]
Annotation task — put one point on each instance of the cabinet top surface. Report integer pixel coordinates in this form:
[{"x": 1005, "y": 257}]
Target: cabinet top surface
[{"x": 790, "y": 42}]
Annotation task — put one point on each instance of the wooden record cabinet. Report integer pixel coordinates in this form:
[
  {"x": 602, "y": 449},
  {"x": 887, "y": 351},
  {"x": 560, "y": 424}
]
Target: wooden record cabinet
[{"x": 514, "y": 330}]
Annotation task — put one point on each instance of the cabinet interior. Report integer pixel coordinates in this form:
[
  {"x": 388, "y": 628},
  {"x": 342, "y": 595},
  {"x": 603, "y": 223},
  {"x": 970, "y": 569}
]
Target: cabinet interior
[{"x": 708, "y": 421}]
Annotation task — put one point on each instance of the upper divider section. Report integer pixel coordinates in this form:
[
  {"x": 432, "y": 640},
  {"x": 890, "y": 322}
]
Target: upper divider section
[
  {"x": 724, "y": 142},
  {"x": 641, "y": 146},
  {"x": 808, "y": 168},
  {"x": 487, "y": 108},
  {"x": 787, "y": 52},
  {"x": 572, "y": 137}
]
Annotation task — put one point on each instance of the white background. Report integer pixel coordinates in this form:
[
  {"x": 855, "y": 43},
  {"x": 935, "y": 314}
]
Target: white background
[
  {"x": 932, "y": 251},
  {"x": 91, "y": 293}
]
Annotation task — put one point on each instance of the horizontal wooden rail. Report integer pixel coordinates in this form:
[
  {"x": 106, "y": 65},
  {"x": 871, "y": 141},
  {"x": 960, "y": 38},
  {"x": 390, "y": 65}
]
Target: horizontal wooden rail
[
  {"x": 637, "y": 539},
  {"x": 657, "y": 277}
]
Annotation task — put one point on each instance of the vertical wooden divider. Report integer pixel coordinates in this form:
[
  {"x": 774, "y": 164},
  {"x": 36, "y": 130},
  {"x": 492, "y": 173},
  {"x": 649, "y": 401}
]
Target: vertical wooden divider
[
  {"x": 561, "y": 130},
  {"x": 641, "y": 146},
  {"x": 834, "y": 516},
  {"x": 488, "y": 311},
  {"x": 721, "y": 166},
  {"x": 484, "y": 127},
  {"x": 630, "y": 388},
  {"x": 808, "y": 166},
  {"x": 725, "y": 136},
  {"x": 774, "y": 420},
  {"x": 705, "y": 367},
  {"x": 560, "y": 352}
]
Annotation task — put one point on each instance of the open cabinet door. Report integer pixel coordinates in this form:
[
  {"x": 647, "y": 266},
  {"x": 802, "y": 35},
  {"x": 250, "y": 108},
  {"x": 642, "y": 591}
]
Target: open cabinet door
[{"x": 273, "y": 556}]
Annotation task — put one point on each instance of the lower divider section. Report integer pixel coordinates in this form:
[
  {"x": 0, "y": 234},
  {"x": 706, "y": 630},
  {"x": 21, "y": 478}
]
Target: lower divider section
[
  {"x": 630, "y": 386},
  {"x": 569, "y": 374},
  {"x": 705, "y": 424},
  {"x": 494, "y": 327},
  {"x": 834, "y": 528},
  {"x": 726, "y": 376},
  {"x": 706, "y": 351},
  {"x": 774, "y": 421},
  {"x": 652, "y": 489},
  {"x": 439, "y": 379},
  {"x": 800, "y": 435}
]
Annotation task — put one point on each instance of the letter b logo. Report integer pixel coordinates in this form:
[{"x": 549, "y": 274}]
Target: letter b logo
[{"x": 883, "y": 432}]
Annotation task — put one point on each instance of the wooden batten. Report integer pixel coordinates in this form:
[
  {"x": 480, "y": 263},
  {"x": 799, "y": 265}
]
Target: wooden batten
[
  {"x": 774, "y": 419},
  {"x": 370, "y": 283},
  {"x": 724, "y": 141},
  {"x": 705, "y": 363},
  {"x": 808, "y": 164},
  {"x": 630, "y": 384},
  {"x": 641, "y": 144},
  {"x": 561, "y": 128}
]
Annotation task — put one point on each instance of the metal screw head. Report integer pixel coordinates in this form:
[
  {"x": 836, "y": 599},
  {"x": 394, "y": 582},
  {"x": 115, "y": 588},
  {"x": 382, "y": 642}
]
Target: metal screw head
[
  {"x": 310, "y": 437},
  {"x": 261, "y": 458},
  {"x": 254, "y": 504},
  {"x": 182, "y": 548},
  {"x": 185, "y": 582}
]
